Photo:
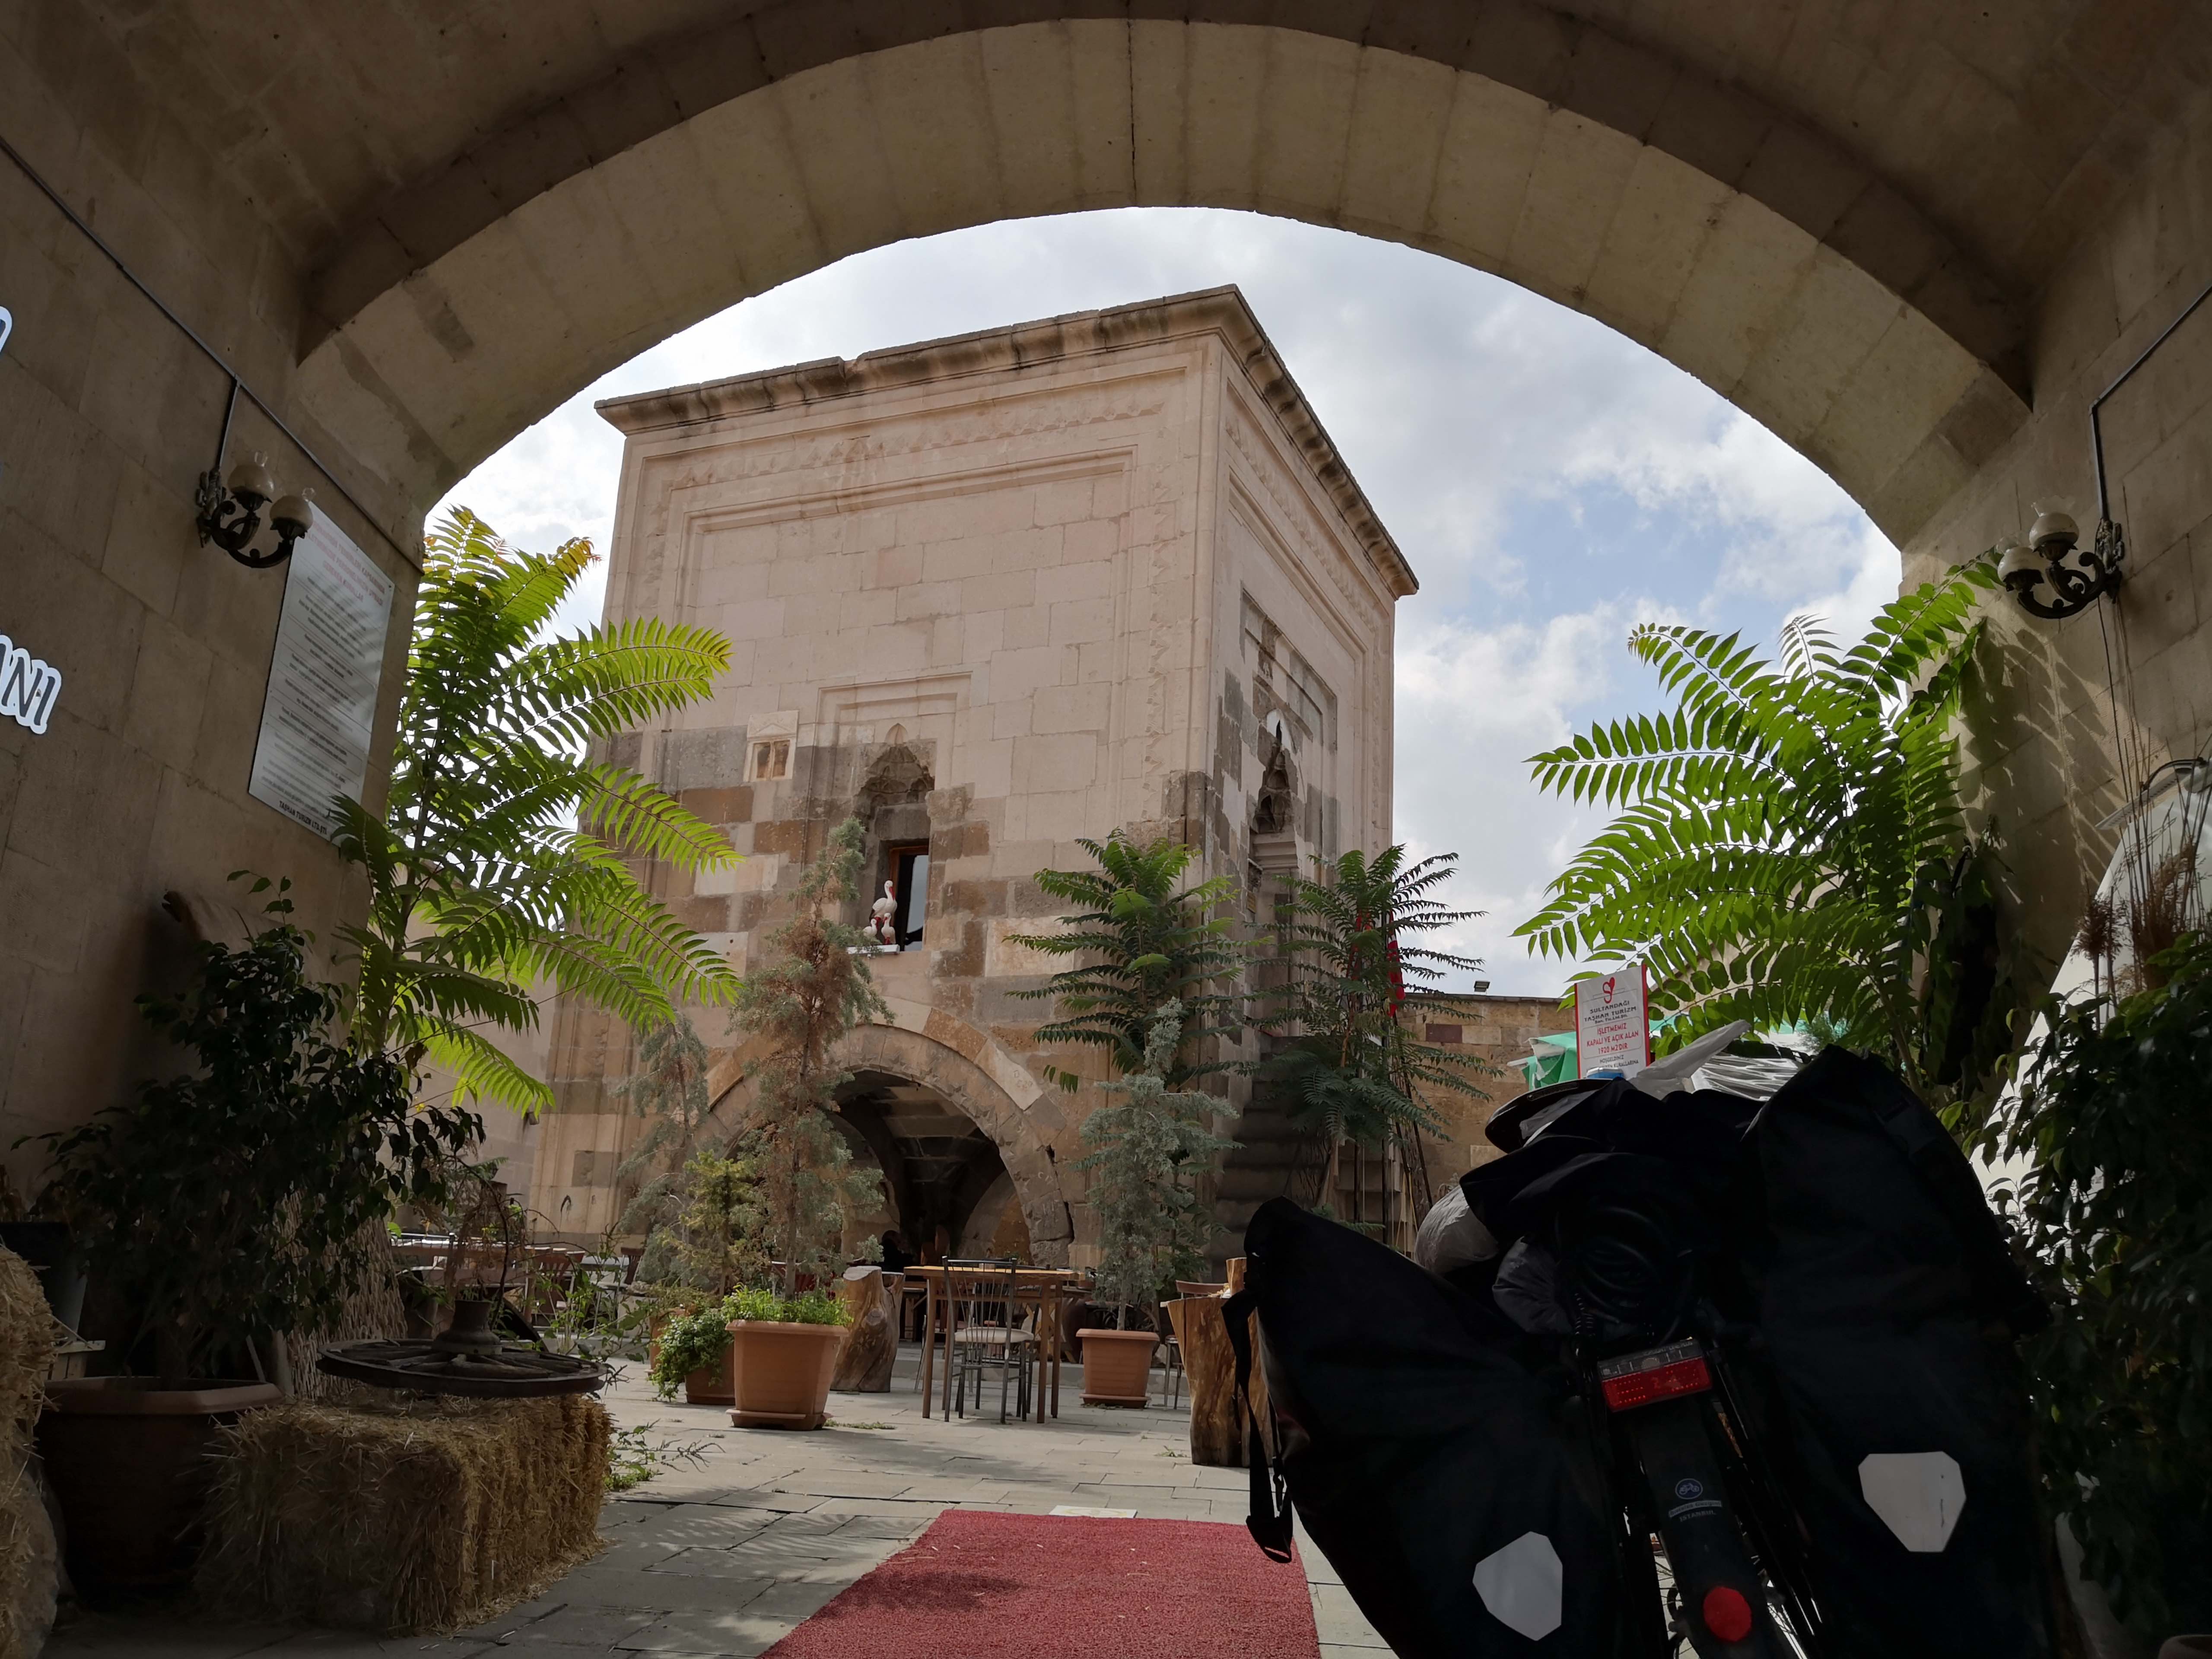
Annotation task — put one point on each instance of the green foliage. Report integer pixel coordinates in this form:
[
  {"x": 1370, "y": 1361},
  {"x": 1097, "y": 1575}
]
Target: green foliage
[
  {"x": 502, "y": 856},
  {"x": 228, "y": 1202},
  {"x": 813, "y": 989},
  {"x": 1349, "y": 950},
  {"x": 807, "y": 1308},
  {"x": 712, "y": 1241},
  {"x": 689, "y": 1342},
  {"x": 1152, "y": 1229},
  {"x": 697, "y": 1212},
  {"x": 2115, "y": 1210},
  {"x": 696, "y": 1341},
  {"x": 1140, "y": 940},
  {"x": 1790, "y": 839},
  {"x": 635, "y": 1456}
]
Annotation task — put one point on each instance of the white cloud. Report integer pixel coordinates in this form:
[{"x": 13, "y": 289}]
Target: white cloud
[{"x": 1473, "y": 705}]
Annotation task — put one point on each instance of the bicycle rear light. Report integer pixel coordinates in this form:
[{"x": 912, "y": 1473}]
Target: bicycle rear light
[
  {"x": 1640, "y": 1379},
  {"x": 1727, "y": 1615}
]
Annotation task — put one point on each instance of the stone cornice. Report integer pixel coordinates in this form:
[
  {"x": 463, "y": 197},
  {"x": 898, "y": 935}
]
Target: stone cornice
[{"x": 1221, "y": 312}]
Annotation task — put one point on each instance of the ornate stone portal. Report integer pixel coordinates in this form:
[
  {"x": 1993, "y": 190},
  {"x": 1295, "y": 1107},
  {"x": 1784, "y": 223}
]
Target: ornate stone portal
[{"x": 994, "y": 595}]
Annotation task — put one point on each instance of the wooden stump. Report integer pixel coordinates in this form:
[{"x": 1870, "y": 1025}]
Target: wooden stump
[
  {"x": 1216, "y": 1427},
  {"x": 871, "y": 1295}
]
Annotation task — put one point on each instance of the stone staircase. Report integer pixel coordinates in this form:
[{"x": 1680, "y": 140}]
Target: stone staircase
[
  {"x": 1269, "y": 1160},
  {"x": 1272, "y": 1159}
]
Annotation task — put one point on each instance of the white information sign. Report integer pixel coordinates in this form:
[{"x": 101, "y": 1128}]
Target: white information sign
[
  {"x": 28, "y": 687},
  {"x": 321, "y": 707},
  {"x": 1612, "y": 1028}
]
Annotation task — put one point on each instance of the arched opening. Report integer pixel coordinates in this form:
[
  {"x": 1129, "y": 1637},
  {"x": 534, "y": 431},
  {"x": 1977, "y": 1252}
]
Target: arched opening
[
  {"x": 959, "y": 1131},
  {"x": 947, "y": 1188}
]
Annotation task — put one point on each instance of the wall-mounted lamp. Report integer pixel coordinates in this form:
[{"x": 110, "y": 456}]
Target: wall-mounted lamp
[
  {"x": 2079, "y": 577},
  {"x": 2076, "y": 576},
  {"x": 249, "y": 489}
]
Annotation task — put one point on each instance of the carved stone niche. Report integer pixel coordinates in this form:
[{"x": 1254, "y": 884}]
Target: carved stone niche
[{"x": 898, "y": 777}]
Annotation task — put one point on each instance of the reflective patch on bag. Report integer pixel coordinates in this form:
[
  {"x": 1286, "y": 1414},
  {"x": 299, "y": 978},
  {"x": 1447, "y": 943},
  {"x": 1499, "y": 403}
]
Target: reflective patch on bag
[
  {"x": 1524, "y": 1585},
  {"x": 1918, "y": 1496}
]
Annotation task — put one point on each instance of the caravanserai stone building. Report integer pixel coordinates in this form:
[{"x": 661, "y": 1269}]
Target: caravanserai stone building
[{"x": 994, "y": 594}]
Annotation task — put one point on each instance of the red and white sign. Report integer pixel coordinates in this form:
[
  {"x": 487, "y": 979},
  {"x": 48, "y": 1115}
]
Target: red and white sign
[{"x": 1613, "y": 1023}]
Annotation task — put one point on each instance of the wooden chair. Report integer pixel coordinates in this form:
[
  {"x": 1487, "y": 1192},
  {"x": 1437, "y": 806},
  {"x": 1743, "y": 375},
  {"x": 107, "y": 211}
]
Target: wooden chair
[{"x": 988, "y": 1328}]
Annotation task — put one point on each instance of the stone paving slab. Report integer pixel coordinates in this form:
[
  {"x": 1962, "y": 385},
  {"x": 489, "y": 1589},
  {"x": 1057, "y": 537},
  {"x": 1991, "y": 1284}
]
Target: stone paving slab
[{"x": 723, "y": 1555}]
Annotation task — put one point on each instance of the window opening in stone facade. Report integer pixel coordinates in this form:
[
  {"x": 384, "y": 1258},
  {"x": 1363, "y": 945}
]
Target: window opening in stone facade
[
  {"x": 1276, "y": 812},
  {"x": 909, "y": 868},
  {"x": 1274, "y": 840},
  {"x": 771, "y": 760}
]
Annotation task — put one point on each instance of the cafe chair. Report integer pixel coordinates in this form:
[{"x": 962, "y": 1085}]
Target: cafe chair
[{"x": 989, "y": 1329}]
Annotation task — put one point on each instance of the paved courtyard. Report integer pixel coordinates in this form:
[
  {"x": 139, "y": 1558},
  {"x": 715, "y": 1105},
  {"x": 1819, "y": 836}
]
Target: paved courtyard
[{"x": 724, "y": 1554}]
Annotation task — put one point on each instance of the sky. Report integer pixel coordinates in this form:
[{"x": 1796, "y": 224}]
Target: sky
[{"x": 1552, "y": 483}]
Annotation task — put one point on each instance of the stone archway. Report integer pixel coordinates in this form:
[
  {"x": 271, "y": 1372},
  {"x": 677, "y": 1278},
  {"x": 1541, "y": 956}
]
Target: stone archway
[
  {"x": 977, "y": 1093},
  {"x": 1732, "y": 235}
]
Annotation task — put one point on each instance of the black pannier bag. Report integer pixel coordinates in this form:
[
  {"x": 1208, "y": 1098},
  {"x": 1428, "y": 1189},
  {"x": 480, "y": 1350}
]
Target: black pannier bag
[
  {"x": 1427, "y": 1464},
  {"x": 1886, "y": 1298}
]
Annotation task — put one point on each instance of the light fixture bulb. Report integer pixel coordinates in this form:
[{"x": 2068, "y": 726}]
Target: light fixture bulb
[
  {"x": 2054, "y": 532},
  {"x": 250, "y": 481},
  {"x": 2018, "y": 568},
  {"x": 293, "y": 516}
]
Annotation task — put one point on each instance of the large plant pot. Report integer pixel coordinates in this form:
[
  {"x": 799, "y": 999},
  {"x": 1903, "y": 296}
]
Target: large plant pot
[
  {"x": 1117, "y": 1366},
  {"x": 129, "y": 1462},
  {"x": 781, "y": 1372},
  {"x": 710, "y": 1385}
]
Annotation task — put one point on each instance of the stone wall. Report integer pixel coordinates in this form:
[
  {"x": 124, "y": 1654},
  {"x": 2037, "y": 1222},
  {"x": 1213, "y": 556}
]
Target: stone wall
[
  {"x": 1495, "y": 1030},
  {"x": 2043, "y": 737},
  {"x": 108, "y": 414}
]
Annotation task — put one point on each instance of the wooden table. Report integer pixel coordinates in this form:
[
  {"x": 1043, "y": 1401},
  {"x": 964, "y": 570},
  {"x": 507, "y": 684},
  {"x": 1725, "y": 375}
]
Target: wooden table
[{"x": 1047, "y": 1289}]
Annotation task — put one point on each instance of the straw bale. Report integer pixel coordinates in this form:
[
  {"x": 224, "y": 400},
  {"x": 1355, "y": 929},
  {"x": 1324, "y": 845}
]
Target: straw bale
[
  {"x": 29, "y": 1573},
  {"x": 27, "y": 1347},
  {"x": 406, "y": 1516}
]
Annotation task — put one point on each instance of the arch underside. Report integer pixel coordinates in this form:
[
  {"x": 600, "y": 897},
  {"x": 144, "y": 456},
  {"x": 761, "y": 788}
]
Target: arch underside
[
  {"x": 1801, "y": 288},
  {"x": 898, "y": 1052}
]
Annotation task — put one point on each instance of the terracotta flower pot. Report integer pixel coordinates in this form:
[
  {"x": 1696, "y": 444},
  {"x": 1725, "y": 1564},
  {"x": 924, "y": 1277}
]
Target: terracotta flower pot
[
  {"x": 1117, "y": 1366},
  {"x": 781, "y": 1372},
  {"x": 129, "y": 1462},
  {"x": 710, "y": 1385}
]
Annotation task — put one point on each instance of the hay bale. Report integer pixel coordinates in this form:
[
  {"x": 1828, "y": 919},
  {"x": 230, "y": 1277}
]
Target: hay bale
[
  {"x": 406, "y": 1516},
  {"x": 29, "y": 1562}
]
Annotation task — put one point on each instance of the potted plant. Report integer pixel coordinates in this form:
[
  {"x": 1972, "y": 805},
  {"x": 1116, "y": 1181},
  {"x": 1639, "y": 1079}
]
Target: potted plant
[
  {"x": 225, "y": 1208},
  {"x": 1152, "y": 1228},
  {"x": 813, "y": 989},
  {"x": 783, "y": 1353},
  {"x": 698, "y": 1211},
  {"x": 703, "y": 1252},
  {"x": 768, "y": 1357},
  {"x": 692, "y": 1352}
]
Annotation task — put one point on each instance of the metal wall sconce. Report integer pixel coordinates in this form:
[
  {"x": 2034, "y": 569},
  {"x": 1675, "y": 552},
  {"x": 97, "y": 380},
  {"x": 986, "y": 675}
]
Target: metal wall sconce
[
  {"x": 2076, "y": 576},
  {"x": 249, "y": 489}
]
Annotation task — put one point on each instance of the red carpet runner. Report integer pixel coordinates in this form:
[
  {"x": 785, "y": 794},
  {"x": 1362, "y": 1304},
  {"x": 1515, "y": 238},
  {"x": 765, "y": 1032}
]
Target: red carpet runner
[{"x": 980, "y": 1585}]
